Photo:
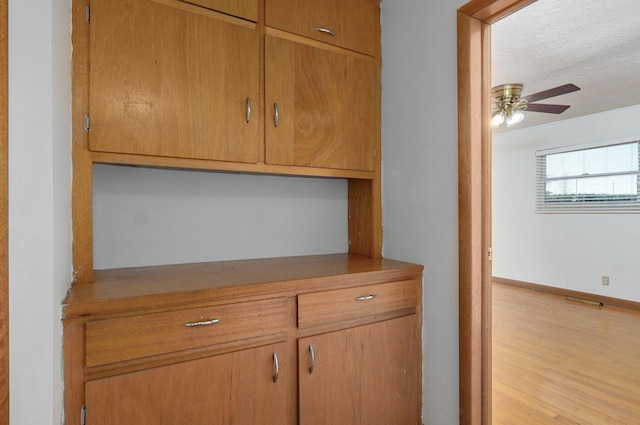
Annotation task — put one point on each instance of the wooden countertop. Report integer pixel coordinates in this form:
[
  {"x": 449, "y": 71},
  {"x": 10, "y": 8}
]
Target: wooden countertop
[{"x": 157, "y": 288}]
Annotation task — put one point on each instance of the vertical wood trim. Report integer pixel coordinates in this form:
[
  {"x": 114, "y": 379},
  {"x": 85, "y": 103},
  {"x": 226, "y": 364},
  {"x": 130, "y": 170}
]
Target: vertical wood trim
[
  {"x": 262, "y": 136},
  {"x": 474, "y": 207},
  {"x": 82, "y": 184},
  {"x": 470, "y": 217},
  {"x": 487, "y": 270},
  {"x": 376, "y": 201},
  {"x": 360, "y": 223},
  {"x": 365, "y": 196},
  {"x": 74, "y": 353},
  {"x": 290, "y": 374},
  {"x": 4, "y": 220}
]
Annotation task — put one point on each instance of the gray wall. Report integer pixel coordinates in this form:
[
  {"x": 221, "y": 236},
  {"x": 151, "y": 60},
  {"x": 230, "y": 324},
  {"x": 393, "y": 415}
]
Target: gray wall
[
  {"x": 150, "y": 216},
  {"x": 39, "y": 205},
  {"x": 419, "y": 136}
]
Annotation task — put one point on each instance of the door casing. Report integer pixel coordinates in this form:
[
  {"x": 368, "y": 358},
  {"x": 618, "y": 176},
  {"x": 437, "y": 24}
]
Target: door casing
[{"x": 474, "y": 202}]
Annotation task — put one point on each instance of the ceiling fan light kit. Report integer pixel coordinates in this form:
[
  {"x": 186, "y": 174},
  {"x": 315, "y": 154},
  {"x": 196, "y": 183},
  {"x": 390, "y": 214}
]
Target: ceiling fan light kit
[
  {"x": 510, "y": 117},
  {"x": 509, "y": 105}
]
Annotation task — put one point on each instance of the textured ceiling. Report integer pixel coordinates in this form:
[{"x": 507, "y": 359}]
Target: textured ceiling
[{"x": 594, "y": 44}]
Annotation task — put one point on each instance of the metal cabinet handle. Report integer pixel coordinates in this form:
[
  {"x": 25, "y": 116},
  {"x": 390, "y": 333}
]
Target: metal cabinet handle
[
  {"x": 276, "y": 117},
  {"x": 312, "y": 358},
  {"x": 248, "y": 109},
  {"x": 276, "y": 367},
  {"x": 325, "y": 30},
  {"x": 202, "y": 323},
  {"x": 366, "y": 297}
]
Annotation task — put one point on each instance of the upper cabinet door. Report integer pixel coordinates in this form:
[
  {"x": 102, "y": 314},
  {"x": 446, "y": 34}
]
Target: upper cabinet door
[
  {"x": 320, "y": 106},
  {"x": 246, "y": 9},
  {"x": 173, "y": 80},
  {"x": 352, "y": 24}
]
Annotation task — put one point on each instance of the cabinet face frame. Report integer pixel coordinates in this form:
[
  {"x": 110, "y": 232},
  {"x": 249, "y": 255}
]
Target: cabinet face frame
[{"x": 364, "y": 192}]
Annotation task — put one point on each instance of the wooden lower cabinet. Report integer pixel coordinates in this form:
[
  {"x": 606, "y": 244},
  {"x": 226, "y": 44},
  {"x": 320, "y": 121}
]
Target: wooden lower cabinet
[
  {"x": 234, "y": 388},
  {"x": 230, "y": 343},
  {"x": 364, "y": 375}
]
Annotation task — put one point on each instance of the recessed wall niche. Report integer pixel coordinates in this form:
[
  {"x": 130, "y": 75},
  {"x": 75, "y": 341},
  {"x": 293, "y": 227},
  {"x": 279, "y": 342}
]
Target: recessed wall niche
[{"x": 146, "y": 216}]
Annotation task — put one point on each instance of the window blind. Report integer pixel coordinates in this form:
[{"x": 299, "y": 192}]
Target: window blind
[{"x": 602, "y": 177}]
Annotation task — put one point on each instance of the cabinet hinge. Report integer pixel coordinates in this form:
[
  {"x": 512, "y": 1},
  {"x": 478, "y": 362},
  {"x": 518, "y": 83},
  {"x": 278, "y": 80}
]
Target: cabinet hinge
[
  {"x": 86, "y": 122},
  {"x": 375, "y": 153},
  {"x": 83, "y": 415},
  {"x": 87, "y": 14},
  {"x": 490, "y": 254}
]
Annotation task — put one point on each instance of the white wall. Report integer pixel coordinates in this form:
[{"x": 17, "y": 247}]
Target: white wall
[
  {"x": 419, "y": 136},
  {"x": 571, "y": 251},
  {"x": 39, "y": 205}
]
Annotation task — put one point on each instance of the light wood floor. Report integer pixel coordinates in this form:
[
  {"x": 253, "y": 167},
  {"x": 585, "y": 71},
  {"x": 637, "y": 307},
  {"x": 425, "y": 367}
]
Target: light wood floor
[{"x": 563, "y": 362}]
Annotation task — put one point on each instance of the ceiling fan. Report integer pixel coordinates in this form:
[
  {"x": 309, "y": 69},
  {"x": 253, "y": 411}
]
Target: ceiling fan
[{"x": 508, "y": 105}]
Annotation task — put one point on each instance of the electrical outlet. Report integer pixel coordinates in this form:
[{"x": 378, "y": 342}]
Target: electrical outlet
[{"x": 605, "y": 280}]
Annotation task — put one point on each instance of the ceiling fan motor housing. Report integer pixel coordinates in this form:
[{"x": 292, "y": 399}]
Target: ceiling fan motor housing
[{"x": 507, "y": 92}]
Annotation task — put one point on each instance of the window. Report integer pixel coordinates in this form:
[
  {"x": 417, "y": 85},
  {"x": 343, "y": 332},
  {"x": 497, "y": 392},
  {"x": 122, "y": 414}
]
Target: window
[{"x": 595, "y": 178}]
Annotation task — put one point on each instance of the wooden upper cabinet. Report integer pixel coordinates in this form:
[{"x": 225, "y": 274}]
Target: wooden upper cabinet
[
  {"x": 320, "y": 106},
  {"x": 172, "y": 79},
  {"x": 246, "y": 9},
  {"x": 350, "y": 24}
]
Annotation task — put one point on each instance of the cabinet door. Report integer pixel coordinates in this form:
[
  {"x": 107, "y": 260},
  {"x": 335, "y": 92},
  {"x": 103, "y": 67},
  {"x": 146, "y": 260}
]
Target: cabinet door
[
  {"x": 172, "y": 81},
  {"x": 364, "y": 375},
  {"x": 320, "y": 107},
  {"x": 234, "y": 388},
  {"x": 247, "y": 9},
  {"x": 349, "y": 24}
]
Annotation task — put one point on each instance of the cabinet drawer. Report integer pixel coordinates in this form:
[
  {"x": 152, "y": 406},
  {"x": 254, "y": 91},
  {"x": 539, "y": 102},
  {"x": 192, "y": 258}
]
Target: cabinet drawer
[
  {"x": 246, "y": 9},
  {"x": 352, "y": 24},
  {"x": 343, "y": 304},
  {"x": 126, "y": 338}
]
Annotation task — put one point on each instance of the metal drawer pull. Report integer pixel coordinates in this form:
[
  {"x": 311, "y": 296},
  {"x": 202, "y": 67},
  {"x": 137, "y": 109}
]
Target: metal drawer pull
[
  {"x": 276, "y": 118},
  {"x": 276, "y": 367},
  {"x": 248, "y": 109},
  {"x": 325, "y": 30},
  {"x": 312, "y": 356},
  {"x": 366, "y": 297},
  {"x": 203, "y": 323}
]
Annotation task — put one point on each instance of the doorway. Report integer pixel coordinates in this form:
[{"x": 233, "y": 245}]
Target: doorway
[
  {"x": 474, "y": 30},
  {"x": 474, "y": 202}
]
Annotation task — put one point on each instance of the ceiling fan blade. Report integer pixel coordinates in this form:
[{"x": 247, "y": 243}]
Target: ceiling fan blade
[
  {"x": 556, "y": 91},
  {"x": 550, "y": 109}
]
